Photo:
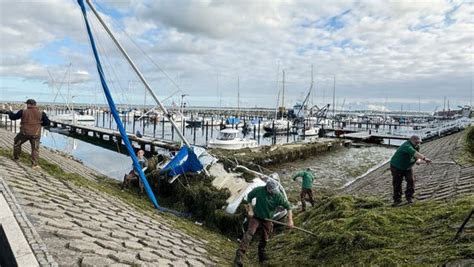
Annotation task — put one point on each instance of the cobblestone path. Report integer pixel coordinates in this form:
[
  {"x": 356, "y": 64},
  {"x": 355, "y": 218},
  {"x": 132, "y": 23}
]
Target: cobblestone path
[
  {"x": 86, "y": 227},
  {"x": 433, "y": 181}
]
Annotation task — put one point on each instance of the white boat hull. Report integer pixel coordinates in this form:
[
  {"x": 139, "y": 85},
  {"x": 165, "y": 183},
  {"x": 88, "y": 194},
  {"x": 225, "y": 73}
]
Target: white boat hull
[
  {"x": 233, "y": 144},
  {"x": 77, "y": 118},
  {"x": 309, "y": 132}
]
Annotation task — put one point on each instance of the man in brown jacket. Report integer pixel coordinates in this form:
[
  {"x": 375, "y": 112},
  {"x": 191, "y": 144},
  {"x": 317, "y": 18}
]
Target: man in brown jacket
[{"x": 30, "y": 130}]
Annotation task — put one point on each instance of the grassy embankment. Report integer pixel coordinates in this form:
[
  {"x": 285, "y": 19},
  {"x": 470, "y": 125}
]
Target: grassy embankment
[
  {"x": 218, "y": 246},
  {"x": 368, "y": 231}
]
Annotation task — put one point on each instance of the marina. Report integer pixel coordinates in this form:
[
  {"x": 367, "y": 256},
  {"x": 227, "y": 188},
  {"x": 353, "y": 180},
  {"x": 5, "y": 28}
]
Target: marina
[{"x": 152, "y": 133}]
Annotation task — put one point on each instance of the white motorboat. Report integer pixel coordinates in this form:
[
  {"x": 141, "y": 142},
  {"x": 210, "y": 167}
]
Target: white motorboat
[
  {"x": 229, "y": 139},
  {"x": 74, "y": 118},
  {"x": 278, "y": 126},
  {"x": 312, "y": 131}
]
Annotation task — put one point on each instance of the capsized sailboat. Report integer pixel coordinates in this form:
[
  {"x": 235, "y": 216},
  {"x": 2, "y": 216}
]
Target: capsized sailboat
[{"x": 188, "y": 158}]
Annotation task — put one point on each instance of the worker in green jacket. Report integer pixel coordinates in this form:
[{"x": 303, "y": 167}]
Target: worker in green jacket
[
  {"x": 268, "y": 198},
  {"x": 401, "y": 165},
  {"x": 306, "y": 186}
]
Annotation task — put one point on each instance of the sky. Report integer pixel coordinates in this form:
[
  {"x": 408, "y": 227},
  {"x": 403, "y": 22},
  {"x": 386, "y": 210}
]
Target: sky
[{"x": 377, "y": 55}]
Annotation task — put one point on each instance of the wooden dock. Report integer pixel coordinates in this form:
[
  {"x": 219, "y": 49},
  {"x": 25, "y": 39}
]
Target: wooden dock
[{"x": 147, "y": 143}]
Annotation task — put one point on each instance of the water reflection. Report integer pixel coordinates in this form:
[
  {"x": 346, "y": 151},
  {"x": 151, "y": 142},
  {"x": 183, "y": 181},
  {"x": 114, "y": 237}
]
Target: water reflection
[
  {"x": 107, "y": 162},
  {"x": 332, "y": 169}
]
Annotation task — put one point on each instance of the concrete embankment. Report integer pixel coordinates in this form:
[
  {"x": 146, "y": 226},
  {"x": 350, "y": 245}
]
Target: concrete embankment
[
  {"x": 79, "y": 225},
  {"x": 446, "y": 178}
]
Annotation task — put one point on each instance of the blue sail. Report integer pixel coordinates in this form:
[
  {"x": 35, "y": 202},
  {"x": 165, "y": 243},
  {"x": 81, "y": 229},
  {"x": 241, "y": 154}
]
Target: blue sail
[
  {"x": 185, "y": 161},
  {"x": 114, "y": 111}
]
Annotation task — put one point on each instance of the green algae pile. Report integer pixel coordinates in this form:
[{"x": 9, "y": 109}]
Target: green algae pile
[{"x": 367, "y": 231}]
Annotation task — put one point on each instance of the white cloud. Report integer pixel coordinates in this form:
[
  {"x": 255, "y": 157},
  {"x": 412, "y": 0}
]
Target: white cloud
[{"x": 390, "y": 48}]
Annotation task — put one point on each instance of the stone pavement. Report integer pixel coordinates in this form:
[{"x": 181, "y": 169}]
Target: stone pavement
[
  {"x": 72, "y": 166},
  {"x": 85, "y": 227},
  {"x": 433, "y": 181}
]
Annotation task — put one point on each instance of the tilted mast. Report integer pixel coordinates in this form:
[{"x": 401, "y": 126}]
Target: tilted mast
[{"x": 134, "y": 67}]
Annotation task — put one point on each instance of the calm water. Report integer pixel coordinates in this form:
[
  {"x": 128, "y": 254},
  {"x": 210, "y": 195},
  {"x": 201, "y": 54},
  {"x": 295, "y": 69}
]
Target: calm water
[
  {"x": 332, "y": 169},
  {"x": 107, "y": 162}
]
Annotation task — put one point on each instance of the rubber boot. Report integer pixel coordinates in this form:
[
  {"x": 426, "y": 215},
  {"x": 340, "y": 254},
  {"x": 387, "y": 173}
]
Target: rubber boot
[
  {"x": 122, "y": 186},
  {"x": 238, "y": 258},
  {"x": 261, "y": 251}
]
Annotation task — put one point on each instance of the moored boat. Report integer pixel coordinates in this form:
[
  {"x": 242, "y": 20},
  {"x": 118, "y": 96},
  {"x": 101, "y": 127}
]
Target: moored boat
[{"x": 229, "y": 139}]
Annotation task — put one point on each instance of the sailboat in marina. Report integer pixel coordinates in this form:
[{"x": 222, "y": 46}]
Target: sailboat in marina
[
  {"x": 306, "y": 126},
  {"x": 280, "y": 125},
  {"x": 189, "y": 158},
  {"x": 71, "y": 116}
]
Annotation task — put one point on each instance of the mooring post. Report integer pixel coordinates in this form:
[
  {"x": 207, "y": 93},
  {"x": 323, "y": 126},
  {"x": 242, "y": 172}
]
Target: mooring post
[
  {"x": 124, "y": 122},
  {"x": 207, "y": 130},
  {"x": 254, "y": 131},
  {"x": 288, "y": 132},
  {"x": 202, "y": 128},
  {"x": 194, "y": 135},
  {"x": 162, "y": 128},
  {"x": 212, "y": 125},
  {"x": 258, "y": 140},
  {"x": 274, "y": 133},
  {"x": 133, "y": 124},
  {"x": 154, "y": 127},
  {"x": 172, "y": 133},
  {"x": 184, "y": 128}
]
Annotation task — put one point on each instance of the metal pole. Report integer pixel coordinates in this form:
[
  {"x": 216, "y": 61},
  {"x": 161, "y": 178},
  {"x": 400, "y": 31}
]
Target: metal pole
[
  {"x": 295, "y": 227},
  {"x": 147, "y": 86}
]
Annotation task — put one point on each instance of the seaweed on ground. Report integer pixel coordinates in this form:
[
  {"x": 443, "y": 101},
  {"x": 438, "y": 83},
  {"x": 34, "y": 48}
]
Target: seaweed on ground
[
  {"x": 368, "y": 231},
  {"x": 195, "y": 194}
]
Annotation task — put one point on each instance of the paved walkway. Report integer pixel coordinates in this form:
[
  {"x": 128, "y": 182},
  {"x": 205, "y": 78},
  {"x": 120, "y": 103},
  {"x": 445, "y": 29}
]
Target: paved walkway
[
  {"x": 85, "y": 227},
  {"x": 434, "y": 181}
]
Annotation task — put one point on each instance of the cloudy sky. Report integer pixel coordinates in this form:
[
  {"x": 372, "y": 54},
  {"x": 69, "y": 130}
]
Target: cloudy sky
[{"x": 382, "y": 54}]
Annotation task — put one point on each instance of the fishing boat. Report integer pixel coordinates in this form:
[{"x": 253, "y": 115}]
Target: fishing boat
[{"x": 230, "y": 139}]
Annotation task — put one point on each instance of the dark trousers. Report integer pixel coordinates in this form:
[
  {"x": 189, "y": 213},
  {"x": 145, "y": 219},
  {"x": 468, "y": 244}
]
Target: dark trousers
[
  {"x": 397, "y": 179},
  {"x": 127, "y": 180},
  {"x": 306, "y": 192},
  {"x": 254, "y": 224},
  {"x": 20, "y": 138}
]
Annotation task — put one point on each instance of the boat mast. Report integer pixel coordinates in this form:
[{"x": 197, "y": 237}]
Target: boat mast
[
  {"x": 283, "y": 94},
  {"x": 278, "y": 91},
  {"x": 334, "y": 99},
  {"x": 139, "y": 74},
  {"x": 238, "y": 96}
]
